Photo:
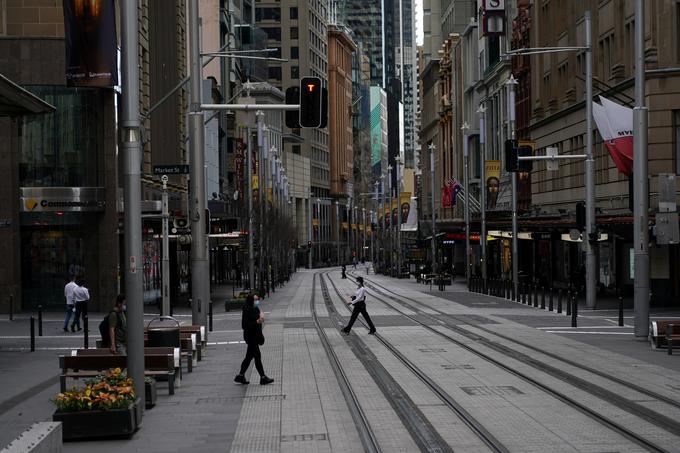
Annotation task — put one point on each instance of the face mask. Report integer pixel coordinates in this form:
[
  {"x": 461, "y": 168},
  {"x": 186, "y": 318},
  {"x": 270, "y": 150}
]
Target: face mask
[
  {"x": 124, "y": 307},
  {"x": 257, "y": 303}
]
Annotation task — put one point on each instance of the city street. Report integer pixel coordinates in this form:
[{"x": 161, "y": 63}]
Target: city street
[{"x": 446, "y": 371}]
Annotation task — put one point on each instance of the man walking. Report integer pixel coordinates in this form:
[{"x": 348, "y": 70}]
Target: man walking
[
  {"x": 359, "y": 306},
  {"x": 80, "y": 295},
  {"x": 118, "y": 327},
  {"x": 70, "y": 301}
]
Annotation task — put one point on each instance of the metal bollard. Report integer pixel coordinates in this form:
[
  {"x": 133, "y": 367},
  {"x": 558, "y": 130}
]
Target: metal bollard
[
  {"x": 86, "y": 332},
  {"x": 542, "y": 297},
  {"x": 210, "y": 316},
  {"x": 669, "y": 340},
  {"x": 170, "y": 308},
  {"x": 523, "y": 291},
  {"x": 559, "y": 300},
  {"x": 11, "y": 307},
  {"x": 568, "y": 303},
  {"x": 620, "y": 311},
  {"x": 550, "y": 300},
  {"x": 536, "y": 296},
  {"x": 32, "y": 334},
  {"x": 40, "y": 320},
  {"x": 574, "y": 310}
]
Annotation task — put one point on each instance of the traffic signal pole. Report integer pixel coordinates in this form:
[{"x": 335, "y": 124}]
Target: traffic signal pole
[
  {"x": 513, "y": 132},
  {"x": 590, "y": 238}
]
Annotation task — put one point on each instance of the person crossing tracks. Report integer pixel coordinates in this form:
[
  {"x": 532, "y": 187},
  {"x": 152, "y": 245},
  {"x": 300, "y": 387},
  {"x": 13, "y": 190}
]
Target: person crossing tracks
[{"x": 358, "y": 303}]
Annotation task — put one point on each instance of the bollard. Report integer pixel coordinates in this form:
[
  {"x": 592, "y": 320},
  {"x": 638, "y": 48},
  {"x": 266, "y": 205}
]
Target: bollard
[
  {"x": 40, "y": 320},
  {"x": 32, "y": 334},
  {"x": 568, "y": 303},
  {"x": 559, "y": 300},
  {"x": 574, "y": 310},
  {"x": 523, "y": 292},
  {"x": 536, "y": 296},
  {"x": 620, "y": 311},
  {"x": 669, "y": 340},
  {"x": 542, "y": 297},
  {"x": 11, "y": 307},
  {"x": 86, "y": 332},
  {"x": 550, "y": 300},
  {"x": 170, "y": 308},
  {"x": 210, "y": 316}
]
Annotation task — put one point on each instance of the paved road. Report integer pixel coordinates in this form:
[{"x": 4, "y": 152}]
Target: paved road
[{"x": 482, "y": 363}]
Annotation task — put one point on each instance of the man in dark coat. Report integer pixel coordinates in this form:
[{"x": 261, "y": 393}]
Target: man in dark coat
[{"x": 251, "y": 323}]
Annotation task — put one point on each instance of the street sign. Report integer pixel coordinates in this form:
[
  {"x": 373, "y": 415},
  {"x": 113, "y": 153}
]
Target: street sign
[
  {"x": 552, "y": 164},
  {"x": 170, "y": 169}
]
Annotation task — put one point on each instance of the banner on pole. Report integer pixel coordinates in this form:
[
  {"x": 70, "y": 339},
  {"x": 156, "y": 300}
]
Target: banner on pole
[
  {"x": 615, "y": 124},
  {"x": 492, "y": 169},
  {"x": 90, "y": 37}
]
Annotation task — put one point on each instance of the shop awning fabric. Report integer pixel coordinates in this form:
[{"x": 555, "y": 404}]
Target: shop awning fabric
[{"x": 16, "y": 101}]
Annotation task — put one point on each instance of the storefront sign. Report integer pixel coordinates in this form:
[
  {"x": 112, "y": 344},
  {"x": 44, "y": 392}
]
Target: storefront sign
[{"x": 62, "y": 199}]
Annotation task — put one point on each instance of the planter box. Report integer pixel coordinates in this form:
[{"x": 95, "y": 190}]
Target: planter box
[
  {"x": 150, "y": 394},
  {"x": 99, "y": 423},
  {"x": 234, "y": 304}
]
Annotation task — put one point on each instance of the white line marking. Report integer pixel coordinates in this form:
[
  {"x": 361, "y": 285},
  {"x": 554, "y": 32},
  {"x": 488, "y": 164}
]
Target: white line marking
[
  {"x": 63, "y": 337},
  {"x": 582, "y": 327},
  {"x": 589, "y": 333},
  {"x": 226, "y": 342}
]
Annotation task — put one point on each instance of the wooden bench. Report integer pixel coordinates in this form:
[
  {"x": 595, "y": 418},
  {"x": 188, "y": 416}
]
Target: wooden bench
[
  {"x": 665, "y": 333},
  {"x": 176, "y": 354},
  {"x": 88, "y": 366},
  {"x": 201, "y": 339}
]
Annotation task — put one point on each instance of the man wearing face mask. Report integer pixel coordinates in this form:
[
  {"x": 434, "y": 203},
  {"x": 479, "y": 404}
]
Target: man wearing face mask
[
  {"x": 251, "y": 322},
  {"x": 118, "y": 327}
]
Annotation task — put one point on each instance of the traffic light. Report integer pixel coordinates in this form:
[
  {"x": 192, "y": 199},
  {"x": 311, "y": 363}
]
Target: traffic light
[
  {"x": 580, "y": 216},
  {"x": 292, "y": 116},
  {"x": 525, "y": 165},
  {"x": 511, "y": 156},
  {"x": 311, "y": 100}
]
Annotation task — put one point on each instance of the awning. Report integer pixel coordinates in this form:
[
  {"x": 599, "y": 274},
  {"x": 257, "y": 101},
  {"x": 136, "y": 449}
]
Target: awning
[{"x": 16, "y": 101}]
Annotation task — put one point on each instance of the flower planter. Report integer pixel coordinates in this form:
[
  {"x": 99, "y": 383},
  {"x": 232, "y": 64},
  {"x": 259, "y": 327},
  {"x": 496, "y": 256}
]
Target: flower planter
[
  {"x": 234, "y": 304},
  {"x": 150, "y": 393},
  {"x": 98, "y": 423}
]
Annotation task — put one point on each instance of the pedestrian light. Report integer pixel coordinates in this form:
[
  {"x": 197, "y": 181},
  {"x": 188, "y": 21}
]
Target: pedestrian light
[{"x": 311, "y": 96}]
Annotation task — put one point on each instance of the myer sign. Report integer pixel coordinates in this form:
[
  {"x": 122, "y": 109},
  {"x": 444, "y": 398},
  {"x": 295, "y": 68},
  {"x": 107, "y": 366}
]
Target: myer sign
[{"x": 52, "y": 199}]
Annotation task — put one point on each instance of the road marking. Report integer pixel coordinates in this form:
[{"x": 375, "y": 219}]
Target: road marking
[
  {"x": 226, "y": 342},
  {"x": 589, "y": 333},
  {"x": 582, "y": 327},
  {"x": 19, "y": 337}
]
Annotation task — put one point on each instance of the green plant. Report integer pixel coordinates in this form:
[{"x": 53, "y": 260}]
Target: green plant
[{"x": 111, "y": 390}]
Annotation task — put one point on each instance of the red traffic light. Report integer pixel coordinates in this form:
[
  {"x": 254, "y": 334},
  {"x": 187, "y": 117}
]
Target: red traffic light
[{"x": 310, "y": 102}]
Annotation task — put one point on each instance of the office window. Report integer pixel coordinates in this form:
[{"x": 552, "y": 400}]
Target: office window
[
  {"x": 273, "y": 33},
  {"x": 276, "y": 53},
  {"x": 294, "y": 72},
  {"x": 295, "y": 52},
  {"x": 293, "y": 33},
  {"x": 296, "y": 149},
  {"x": 272, "y": 14},
  {"x": 274, "y": 72},
  {"x": 294, "y": 13}
]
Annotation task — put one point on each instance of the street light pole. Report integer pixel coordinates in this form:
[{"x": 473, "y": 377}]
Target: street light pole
[
  {"x": 251, "y": 230},
  {"x": 466, "y": 176},
  {"x": 515, "y": 243},
  {"x": 591, "y": 226},
  {"x": 165, "y": 257},
  {"x": 262, "y": 190},
  {"x": 337, "y": 221},
  {"x": 641, "y": 190},
  {"x": 482, "y": 192},
  {"x": 432, "y": 147},
  {"x": 384, "y": 227},
  {"x": 398, "y": 226}
]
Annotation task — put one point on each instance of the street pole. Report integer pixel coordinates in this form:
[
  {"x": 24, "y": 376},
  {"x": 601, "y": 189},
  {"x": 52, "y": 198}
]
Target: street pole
[
  {"x": 398, "y": 179},
  {"x": 165, "y": 257},
  {"x": 434, "y": 226},
  {"x": 262, "y": 191},
  {"x": 389, "y": 211},
  {"x": 373, "y": 259},
  {"x": 591, "y": 226},
  {"x": 482, "y": 192},
  {"x": 384, "y": 224},
  {"x": 200, "y": 280},
  {"x": 131, "y": 151},
  {"x": 251, "y": 229},
  {"x": 641, "y": 190},
  {"x": 513, "y": 133},
  {"x": 337, "y": 221},
  {"x": 363, "y": 247},
  {"x": 466, "y": 176},
  {"x": 309, "y": 226}
]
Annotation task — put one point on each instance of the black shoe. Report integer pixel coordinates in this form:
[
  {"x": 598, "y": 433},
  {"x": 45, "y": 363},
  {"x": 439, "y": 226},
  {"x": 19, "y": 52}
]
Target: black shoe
[
  {"x": 345, "y": 331},
  {"x": 73, "y": 328},
  {"x": 371, "y": 332},
  {"x": 79, "y": 329},
  {"x": 241, "y": 379},
  {"x": 65, "y": 330},
  {"x": 264, "y": 380}
]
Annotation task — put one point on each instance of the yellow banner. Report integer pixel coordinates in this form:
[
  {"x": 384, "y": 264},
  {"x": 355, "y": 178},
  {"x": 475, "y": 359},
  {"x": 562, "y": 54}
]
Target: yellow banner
[
  {"x": 256, "y": 182},
  {"x": 270, "y": 195},
  {"x": 345, "y": 225},
  {"x": 493, "y": 169},
  {"x": 361, "y": 227},
  {"x": 315, "y": 222}
]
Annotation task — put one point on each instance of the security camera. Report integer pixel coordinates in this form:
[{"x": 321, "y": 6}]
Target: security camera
[{"x": 164, "y": 178}]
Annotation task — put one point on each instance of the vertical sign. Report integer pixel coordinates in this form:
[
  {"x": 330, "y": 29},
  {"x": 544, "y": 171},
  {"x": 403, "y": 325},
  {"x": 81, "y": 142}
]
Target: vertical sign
[
  {"x": 90, "y": 37},
  {"x": 492, "y": 169}
]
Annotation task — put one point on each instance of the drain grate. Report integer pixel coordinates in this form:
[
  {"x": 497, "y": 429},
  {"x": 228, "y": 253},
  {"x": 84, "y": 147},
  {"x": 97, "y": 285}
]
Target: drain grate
[
  {"x": 235, "y": 399},
  {"x": 501, "y": 390},
  {"x": 449, "y": 366},
  {"x": 304, "y": 437}
]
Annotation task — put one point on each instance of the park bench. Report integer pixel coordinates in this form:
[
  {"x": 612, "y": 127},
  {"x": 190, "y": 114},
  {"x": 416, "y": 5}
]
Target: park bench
[
  {"x": 177, "y": 355},
  {"x": 201, "y": 339},
  {"x": 665, "y": 333},
  {"x": 88, "y": 366}
]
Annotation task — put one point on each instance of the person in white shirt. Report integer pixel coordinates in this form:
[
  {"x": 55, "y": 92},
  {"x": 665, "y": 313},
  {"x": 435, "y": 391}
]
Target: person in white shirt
[
  {"x": 70, "y": 301},
  {"x": 358, "y": 303},
  {"x": 80, "y": 295}
]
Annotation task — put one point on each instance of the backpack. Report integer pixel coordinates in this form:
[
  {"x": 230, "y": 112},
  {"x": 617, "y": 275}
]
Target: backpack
[{"x": 104, "y": 328}]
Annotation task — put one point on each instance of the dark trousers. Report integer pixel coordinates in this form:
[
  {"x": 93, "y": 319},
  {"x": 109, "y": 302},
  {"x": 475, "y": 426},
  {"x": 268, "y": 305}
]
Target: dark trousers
[
  {"x": 360, "y": 307},
  {"x": 253, "y": 352},
  {"x": 81, "y": 310}
]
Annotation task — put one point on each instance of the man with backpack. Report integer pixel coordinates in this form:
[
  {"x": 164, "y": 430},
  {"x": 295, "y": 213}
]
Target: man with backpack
[{"x": 113, "y": 328}]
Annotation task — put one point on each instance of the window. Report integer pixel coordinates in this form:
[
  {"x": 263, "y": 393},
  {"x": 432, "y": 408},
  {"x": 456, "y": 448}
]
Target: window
[
  {"x": 293, "y": 33},
  {"x": 295, "y": 52},
  {"x": 274, "y": 72},
  {"x": 293, "y": 13},
  {"x": 276, "y": 53},
  {"x": 273, "y": 33},
  {"x": 294, "y": 72},
  {"x": 272, "y": 14}
]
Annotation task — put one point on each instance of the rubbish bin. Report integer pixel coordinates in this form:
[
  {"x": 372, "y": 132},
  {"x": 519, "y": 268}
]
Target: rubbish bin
[{"x": 163, "y": 335}]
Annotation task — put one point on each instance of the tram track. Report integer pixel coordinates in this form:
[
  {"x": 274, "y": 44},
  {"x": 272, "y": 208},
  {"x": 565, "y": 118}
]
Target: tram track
[{"x": 660, "y": 420}]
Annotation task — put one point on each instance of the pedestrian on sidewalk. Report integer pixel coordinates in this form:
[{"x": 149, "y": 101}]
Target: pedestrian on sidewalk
[
  {"x": 80, "y": 295},
  {"x": 70, "y": 301},
  {"x": 359, "y": 306},
  {"x": 118, "y": 327},
  {"x": 251, "y": 323}
]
